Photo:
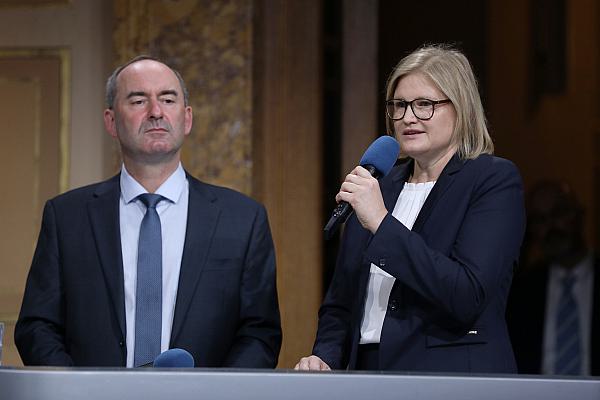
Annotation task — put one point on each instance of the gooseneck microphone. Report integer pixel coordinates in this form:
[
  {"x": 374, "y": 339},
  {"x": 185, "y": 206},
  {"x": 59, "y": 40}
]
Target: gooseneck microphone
[
  {"x": 174, "y": 358},
  {"x": 378, "y": 160}
]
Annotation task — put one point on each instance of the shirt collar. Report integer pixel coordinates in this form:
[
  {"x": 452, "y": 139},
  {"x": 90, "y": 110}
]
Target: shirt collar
[
  {"x": 171, "y": 189},
  {"x": 579, "y": 271}
]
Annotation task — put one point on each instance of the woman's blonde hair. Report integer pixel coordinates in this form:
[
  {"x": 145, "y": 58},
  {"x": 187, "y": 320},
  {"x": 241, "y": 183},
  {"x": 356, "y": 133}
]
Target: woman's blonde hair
[{"x": 450, "y": 70}]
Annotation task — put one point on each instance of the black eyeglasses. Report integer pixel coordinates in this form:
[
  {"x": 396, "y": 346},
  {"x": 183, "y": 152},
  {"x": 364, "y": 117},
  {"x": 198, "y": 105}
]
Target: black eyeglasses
[{"x": 422, "y": 108}]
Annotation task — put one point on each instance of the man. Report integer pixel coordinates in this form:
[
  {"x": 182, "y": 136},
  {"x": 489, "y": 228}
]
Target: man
[
  {"x": 204, "y": 280},
  {"x": 553, "y": 306}
]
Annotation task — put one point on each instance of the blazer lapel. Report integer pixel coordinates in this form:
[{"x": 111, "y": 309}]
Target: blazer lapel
[
  {"x": 400, "y": 175},
  {"x": 443, "y": 183},
  {"x": 390, "y": 187},
  {"x": 103, "y": 210},
  {"x": 203, "y": 214}
]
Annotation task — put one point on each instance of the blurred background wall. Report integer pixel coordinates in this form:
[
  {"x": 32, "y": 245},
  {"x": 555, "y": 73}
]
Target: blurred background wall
[{"x": 286, "y": 96}]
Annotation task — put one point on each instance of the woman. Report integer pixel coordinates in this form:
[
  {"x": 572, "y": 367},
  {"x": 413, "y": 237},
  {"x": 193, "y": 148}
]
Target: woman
[{"x": 426, "y": 263}]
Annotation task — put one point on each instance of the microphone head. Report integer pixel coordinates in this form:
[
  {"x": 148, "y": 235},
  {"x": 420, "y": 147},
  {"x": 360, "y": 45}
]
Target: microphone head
[
  {"x": 174, "y": 358},
  {"x": 382, "y": 154}
]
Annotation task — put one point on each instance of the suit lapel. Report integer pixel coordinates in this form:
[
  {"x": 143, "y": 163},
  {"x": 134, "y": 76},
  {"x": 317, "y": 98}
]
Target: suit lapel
[
  {"x": 390, "y": 187},
  {"x": 103, "y": 210},
  {"x": 203, "y": 214},
  {"x": 390, "y": 192},
  {"x": 443, "y": 183}
]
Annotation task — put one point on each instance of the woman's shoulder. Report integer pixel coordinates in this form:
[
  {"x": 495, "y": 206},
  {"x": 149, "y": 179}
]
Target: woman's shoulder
[
  {"x": 489, "y": 173},
  {"x": 490, "y": 164}
]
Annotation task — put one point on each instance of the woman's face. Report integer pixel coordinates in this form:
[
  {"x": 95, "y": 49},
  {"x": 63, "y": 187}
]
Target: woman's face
[{"x": 427, "y": 141}]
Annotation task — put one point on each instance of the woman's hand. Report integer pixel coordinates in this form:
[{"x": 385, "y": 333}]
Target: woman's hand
[
  {"x": 362, "y": 191},
  {"x": 312, "y": 363}
]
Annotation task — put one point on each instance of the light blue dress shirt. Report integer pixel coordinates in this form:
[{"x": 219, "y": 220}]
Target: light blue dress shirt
[
  {"x": 583, "y": 292},
  {"x": 173, "y": 218}
]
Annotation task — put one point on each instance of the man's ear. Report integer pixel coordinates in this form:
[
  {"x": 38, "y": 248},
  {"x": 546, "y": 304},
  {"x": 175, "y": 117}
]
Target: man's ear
[
  {"x": 109, "y": 122},
  {"x": 189, "y": 118}
]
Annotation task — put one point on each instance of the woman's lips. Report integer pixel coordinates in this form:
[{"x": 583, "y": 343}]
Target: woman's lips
[{"x": 410, "y": 132}]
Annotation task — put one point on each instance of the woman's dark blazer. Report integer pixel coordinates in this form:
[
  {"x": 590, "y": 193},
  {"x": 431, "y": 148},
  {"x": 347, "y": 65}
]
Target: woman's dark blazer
[{"x": 453, "y": 273}]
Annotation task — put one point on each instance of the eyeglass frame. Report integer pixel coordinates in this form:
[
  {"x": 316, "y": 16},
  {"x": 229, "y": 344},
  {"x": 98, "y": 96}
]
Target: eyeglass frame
[{"x": 410, "y": 103}]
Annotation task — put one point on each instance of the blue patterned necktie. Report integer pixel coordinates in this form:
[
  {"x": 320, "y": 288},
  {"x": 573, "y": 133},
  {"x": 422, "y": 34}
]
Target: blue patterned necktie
[
  {"x": 568, "y": 335},
  {"x": 148, "y": 293}
]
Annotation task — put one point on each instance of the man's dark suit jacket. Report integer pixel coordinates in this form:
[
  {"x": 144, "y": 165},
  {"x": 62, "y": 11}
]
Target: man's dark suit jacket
[
  {"x": 453, "y": 273},
  {"x": 226, "y": 311},
  {"x": 526, "y": 315}
]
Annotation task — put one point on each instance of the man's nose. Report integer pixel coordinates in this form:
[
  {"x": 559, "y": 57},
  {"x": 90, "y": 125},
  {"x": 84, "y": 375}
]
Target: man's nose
[{"x": 155, "y": 109}]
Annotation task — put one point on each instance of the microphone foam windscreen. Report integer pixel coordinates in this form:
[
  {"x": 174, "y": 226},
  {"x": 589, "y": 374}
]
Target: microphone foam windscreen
[
  {"x": 382, "y": 154},
  {"x": 174, "y": 358}
]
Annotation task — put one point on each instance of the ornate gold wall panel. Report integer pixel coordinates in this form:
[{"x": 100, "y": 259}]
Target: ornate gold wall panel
[
  {"x": 34, "y": 110},
  {"x": 253, "y": 71},
  {"x": 210, "y": 44},
  {"x": 32, "y": 3}
]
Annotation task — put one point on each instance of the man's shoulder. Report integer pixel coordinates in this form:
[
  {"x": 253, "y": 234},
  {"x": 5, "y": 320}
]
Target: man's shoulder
[
  {"x": 222, "y": 195},
  {"x": 85, "y": 192}
]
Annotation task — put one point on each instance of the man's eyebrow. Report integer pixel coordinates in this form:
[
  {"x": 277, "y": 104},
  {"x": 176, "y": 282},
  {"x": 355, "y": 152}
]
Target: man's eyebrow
[
  {"x": 169, "y": 92},
  {"x": 136, "y": 94},
  {"x": 144, "y": 94}
]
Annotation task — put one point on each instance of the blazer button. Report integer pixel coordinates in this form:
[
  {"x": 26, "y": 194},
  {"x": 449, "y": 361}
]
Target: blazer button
[
  {"x": 121, "y": 344},
  {"x": 382, "y": 262},
  {"x": 393, "y": 305}
]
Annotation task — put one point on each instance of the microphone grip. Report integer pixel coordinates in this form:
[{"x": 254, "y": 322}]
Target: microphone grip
[
  {"x": 372, "y": 170},
  {"x": 343, "y": 210},
  {"x": 339, "y": 216}
]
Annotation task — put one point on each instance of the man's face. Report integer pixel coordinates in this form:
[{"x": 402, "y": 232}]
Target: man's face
[
  {"x": 149, "y": 116},
  {"x": 555, "y": 223}
]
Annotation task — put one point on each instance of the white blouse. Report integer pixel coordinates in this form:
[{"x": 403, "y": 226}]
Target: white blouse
[{"x": 407, "y": 208}]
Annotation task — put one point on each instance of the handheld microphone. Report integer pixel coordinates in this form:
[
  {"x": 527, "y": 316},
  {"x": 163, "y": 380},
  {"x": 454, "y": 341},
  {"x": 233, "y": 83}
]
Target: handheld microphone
[
  {"x": 174, "y": 358},
  {"x": 378, "y": 159}
]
